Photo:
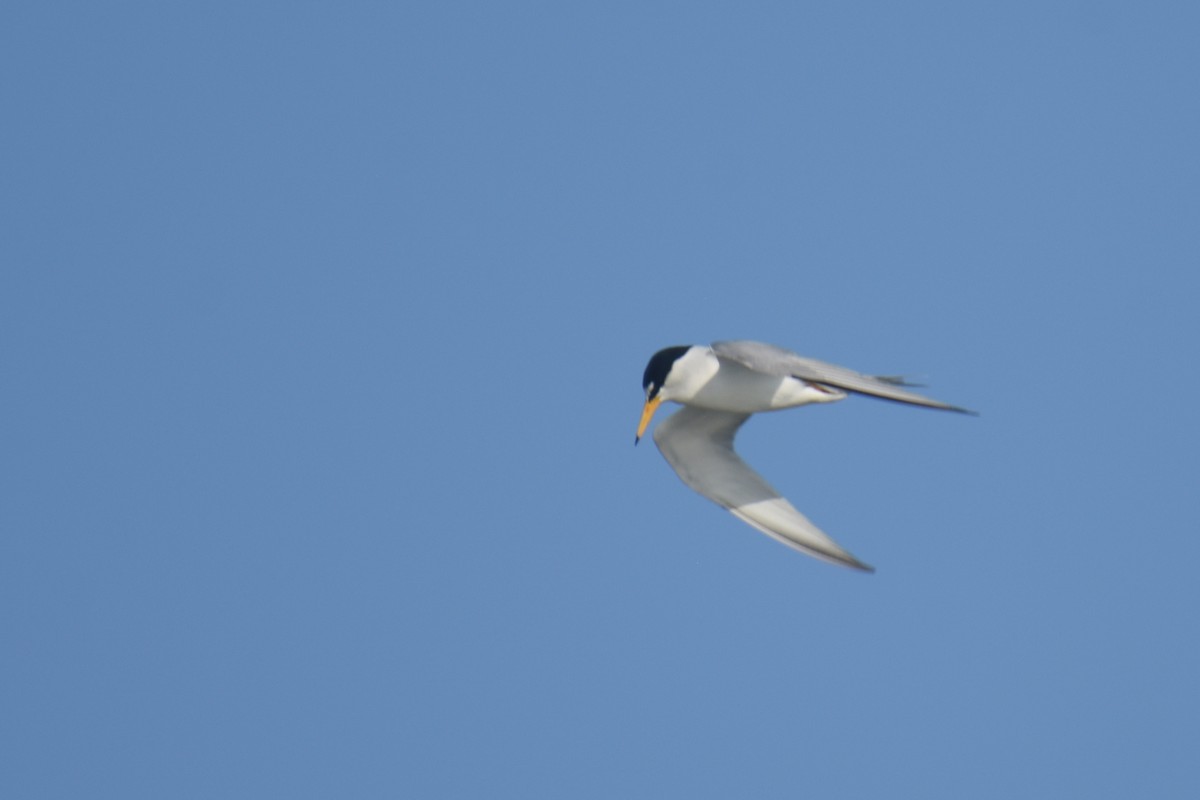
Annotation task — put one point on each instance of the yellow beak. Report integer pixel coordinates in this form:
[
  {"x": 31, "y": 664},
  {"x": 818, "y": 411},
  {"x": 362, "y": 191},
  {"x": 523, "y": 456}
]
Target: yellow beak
[{"x": 647, "y": 412}]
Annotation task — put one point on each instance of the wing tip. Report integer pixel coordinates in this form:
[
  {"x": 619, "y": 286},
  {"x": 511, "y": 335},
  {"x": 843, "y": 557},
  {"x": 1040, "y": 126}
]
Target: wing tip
[
  {"x": 844, "y": 559},
  {"x": 919, "y": 402},
  {"x": 961, "y": 410},
  {"x": 861, "y": 567}
]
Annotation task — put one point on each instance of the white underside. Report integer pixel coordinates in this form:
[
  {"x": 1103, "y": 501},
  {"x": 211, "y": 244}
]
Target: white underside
[{"x": 705, "y": 381}]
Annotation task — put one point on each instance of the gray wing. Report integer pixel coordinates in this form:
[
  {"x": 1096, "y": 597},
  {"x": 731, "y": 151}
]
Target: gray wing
[
  {"x": 698, "y": 444},
  {"x": 772, "y": 360}
]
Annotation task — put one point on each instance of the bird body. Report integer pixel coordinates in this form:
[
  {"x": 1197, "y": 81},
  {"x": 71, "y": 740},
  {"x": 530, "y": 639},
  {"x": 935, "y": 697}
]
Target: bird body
[
  {"x": 720, "y": 387},
  {"x": 703, "y": 379}
]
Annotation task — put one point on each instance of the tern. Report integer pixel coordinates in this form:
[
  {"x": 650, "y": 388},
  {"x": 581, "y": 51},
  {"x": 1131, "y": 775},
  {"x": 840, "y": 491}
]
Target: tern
[{"x": 720, "y": 387}]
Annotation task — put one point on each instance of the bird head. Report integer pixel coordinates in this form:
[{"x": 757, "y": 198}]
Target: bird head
[{"x": 656, "y": 382}]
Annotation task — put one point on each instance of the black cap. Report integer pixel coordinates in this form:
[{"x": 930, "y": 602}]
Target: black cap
[{"x": 660, "y": 364}]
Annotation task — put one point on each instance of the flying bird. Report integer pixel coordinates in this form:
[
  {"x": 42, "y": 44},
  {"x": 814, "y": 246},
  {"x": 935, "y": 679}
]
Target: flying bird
[{"x": 720, "y": 387}]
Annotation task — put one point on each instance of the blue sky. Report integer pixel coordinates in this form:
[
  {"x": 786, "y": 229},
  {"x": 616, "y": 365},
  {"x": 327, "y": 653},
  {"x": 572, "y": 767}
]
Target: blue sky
[{"x": 323, "y": 334}]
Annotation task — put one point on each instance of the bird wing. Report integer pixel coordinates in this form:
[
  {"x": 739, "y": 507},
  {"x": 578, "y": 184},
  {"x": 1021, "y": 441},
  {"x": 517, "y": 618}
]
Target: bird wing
[
  {"x": 698, "y": 444},
  {"x": 772, "y": 360}
]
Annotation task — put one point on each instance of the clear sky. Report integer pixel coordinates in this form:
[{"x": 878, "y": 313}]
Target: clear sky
[{"x": 323, "y": 329}]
